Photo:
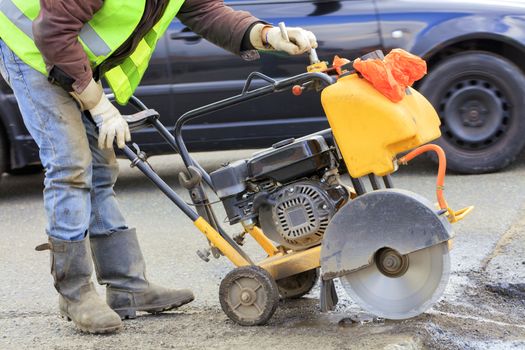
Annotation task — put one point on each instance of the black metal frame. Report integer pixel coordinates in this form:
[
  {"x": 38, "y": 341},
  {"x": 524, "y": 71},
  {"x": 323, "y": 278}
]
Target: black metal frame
[
  {"x": 195, "y": 173},
  {"x": 246, "y": 95}
]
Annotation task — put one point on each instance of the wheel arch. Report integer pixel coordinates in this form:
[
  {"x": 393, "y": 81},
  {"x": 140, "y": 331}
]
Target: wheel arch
[{"x": 499, "y": 45}]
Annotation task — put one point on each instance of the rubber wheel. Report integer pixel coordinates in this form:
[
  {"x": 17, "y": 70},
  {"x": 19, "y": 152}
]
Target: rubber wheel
[
  {"x": 479, "y": 99},
  {"x": 249, "y": 295},
  {"x": 296, "y": 286}
]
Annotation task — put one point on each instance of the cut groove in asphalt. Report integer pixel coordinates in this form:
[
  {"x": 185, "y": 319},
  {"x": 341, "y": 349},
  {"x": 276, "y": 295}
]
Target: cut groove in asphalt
[
  {"x": 475, "y": 318},
  {"x": 506, "y": 238}
]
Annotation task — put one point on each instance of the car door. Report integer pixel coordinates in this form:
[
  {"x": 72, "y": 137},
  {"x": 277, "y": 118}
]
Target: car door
[{"x": 203, "y": 73}]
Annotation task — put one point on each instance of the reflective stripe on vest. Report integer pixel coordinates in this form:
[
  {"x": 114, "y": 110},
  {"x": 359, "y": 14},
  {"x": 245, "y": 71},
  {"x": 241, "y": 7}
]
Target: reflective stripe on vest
[
  {"x": 88, "y": 35},
  {"x": 109, "y": 28},
  {"x": 93, "y": 41},
  {"x": 17, "y": 17},
  {"x": 125, "y": 78},
  {"x": 16, "y": 31}
]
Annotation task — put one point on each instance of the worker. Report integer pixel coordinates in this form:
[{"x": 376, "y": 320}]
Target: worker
[{"x": 53, "y": 54}]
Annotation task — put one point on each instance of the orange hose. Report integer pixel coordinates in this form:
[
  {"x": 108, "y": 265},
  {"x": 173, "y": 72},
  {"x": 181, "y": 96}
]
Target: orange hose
[{"x": 442, "y": 161}]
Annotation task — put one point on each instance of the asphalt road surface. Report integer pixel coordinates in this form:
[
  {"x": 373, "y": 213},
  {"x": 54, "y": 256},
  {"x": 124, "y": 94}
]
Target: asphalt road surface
[{"x": 483, "y": 306}]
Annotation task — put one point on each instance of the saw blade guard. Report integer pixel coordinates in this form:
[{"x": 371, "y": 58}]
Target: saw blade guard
[
  {"x": 390, "y": 248},
  {"x": 398, "y": 219}
]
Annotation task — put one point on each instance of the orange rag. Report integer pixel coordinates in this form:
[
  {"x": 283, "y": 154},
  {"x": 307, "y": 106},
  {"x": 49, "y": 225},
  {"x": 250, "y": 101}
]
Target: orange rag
[{"x": 391, "y": 76}]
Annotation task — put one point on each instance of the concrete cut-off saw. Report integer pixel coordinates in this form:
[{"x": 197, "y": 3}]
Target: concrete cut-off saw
[{"x": 388, "y": 246}]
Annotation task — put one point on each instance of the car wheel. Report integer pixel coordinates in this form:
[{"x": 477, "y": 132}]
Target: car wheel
[{"x": 479, "y": 99}]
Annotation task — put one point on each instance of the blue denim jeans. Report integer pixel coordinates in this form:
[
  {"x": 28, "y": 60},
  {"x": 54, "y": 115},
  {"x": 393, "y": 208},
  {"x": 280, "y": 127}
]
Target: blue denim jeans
[{"x": 79, "y": 177}]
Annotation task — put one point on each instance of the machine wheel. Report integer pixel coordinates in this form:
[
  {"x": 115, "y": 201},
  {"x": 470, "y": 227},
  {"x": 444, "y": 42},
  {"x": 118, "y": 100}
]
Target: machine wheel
[
  {"x": 399, "y": 286},
  {"x": 249, "y": 295},
  {"x": 478, "y": 96},
  {"x": 296, "y": 286}
]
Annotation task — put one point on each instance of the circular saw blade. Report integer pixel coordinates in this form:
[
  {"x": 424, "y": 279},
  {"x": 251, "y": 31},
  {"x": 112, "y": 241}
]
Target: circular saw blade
[{"x": 406, "y": 296}]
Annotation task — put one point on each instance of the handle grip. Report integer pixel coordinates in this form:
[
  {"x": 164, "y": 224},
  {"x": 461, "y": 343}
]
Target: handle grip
[{"x": 284, "y": 33}]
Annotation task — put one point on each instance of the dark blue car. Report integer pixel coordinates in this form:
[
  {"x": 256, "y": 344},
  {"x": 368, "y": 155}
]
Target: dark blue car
[{"x": 475, "y": 52}]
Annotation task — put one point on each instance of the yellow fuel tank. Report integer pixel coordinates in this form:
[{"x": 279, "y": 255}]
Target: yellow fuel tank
[{"x": 370, "y": 130}]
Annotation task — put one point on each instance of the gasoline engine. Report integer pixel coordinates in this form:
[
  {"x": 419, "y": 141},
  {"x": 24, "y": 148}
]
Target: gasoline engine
[{"x": 291, "y": 190}]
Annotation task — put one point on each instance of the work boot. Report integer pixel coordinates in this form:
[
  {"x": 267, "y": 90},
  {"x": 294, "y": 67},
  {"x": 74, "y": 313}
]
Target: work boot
[
  {"x": 119, "y": 264},
  {"x": 71, "y": 267}
]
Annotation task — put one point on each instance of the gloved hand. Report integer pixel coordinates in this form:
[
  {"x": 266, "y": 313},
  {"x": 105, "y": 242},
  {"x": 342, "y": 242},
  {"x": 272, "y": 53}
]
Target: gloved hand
[
  {"x": 109, "y": 121},
  {"x": 110, "y": 124},
  {"x": 266, "y": 37}
]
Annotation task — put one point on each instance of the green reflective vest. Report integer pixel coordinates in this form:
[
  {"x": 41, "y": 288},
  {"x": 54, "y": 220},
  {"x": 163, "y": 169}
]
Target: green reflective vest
[{"x": 109, "y": 28}]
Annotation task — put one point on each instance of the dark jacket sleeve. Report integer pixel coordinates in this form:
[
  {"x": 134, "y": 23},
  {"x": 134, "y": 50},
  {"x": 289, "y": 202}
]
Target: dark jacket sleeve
[
  {"x": 218, "y": 23},
  {"x": 56, "y": 31}
]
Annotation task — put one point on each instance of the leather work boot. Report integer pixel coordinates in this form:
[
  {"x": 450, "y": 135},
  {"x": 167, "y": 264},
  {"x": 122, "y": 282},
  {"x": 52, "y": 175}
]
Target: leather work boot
[
  {"x": 71, "y": 267},
  {"x": 120, "y": 265}
]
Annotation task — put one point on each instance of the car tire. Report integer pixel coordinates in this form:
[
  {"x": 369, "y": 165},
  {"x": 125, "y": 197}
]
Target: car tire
[{"x": 479, "y": 99}]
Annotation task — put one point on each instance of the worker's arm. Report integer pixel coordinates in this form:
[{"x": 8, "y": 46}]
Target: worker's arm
[
  {"x": 239, "y": 31},
  {"x": 218, "y": 23},
  {"x": 56, "y": 31}
]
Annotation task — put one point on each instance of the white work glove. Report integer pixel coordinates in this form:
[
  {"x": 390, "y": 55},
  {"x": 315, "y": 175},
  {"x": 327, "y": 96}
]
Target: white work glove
[
  {"x": 110, "y": 124},
  {"x": 265, "y": 37},
  {"x": 109, "y": 121}
]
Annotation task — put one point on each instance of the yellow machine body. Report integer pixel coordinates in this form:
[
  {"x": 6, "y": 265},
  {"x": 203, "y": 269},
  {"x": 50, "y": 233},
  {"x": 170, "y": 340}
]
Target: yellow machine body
[{"x": 370, "y": 130}]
